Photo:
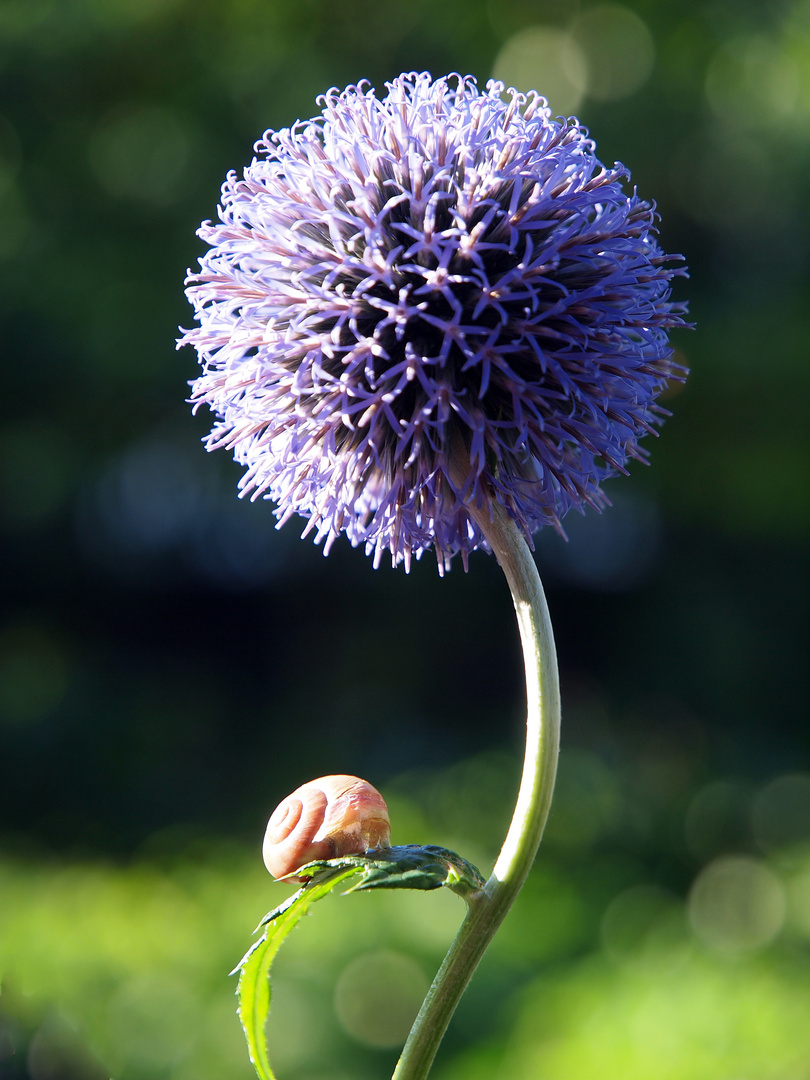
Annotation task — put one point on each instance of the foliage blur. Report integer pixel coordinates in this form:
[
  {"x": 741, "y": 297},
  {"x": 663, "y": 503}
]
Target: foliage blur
[{"x": 171, "y": 666}]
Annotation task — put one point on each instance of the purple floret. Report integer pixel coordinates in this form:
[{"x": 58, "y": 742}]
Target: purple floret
[{"x": 438, "y": 273}]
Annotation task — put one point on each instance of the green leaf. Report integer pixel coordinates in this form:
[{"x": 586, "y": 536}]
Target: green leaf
[
  {"x": 253, "y": 989},
  {"x": 408, "y": 867}
]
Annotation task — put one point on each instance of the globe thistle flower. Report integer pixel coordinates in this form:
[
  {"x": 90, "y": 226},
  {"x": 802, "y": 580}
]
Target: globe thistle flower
[{"x": 431, "y": 300}]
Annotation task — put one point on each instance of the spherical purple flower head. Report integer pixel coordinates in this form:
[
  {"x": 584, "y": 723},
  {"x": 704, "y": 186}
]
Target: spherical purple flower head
[{"x": 438, "y": 276}]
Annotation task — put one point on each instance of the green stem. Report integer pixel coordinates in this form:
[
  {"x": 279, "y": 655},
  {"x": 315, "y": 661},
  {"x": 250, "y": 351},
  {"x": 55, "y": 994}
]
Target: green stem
[{"x": 487, "y": 909}]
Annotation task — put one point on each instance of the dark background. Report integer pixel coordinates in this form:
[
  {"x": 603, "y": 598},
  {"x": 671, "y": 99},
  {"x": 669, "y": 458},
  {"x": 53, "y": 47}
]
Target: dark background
[{"x": 171, "y": 666}]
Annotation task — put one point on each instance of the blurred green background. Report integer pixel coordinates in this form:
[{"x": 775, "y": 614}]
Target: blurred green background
[{"x": 171, "y": 666}]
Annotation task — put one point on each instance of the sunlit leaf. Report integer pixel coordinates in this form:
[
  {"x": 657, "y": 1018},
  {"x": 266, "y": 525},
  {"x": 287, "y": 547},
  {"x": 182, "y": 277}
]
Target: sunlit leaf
[{"x": 408, "y": 867}]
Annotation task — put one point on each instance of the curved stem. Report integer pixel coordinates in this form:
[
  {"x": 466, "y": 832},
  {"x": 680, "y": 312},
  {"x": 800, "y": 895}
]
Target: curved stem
[{"x": 488, "y": 908}]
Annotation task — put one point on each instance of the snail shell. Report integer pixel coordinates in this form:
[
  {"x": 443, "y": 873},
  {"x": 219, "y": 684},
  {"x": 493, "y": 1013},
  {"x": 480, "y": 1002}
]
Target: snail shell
[{"x": 332, "y": 816}]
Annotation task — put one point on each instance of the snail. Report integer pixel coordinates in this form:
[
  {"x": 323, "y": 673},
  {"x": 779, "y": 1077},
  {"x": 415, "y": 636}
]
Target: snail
[{"x": 332, "y": 816}]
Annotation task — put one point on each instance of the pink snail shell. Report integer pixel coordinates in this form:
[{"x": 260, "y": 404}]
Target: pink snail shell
[{"x": 328, "y": 817}]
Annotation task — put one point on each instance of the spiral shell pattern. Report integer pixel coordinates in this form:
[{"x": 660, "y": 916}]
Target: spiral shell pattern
[{"x": 323, "y": 819}]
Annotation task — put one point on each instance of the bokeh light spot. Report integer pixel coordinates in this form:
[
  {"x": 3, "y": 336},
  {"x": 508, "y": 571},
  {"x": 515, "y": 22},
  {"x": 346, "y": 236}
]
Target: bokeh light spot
[
  {"x": 140, "y": 153},
  {"x": 152, "y": 1021},
  {"x": 644, "y": 928},
  {"x": 618, "y": 50},
  {"x": 298, "y": 1025},
  {"x": 377, "y": 997},
  {"x": 798, "y": 897},
  {"x": 736, "y": 905},
  {"x": 158, "y": 503},
  {"x": 751, "y": 81},
  {"x": 547, "y": 60},
  {"x": 718, "y": 820},
  {"x": 57, "y": 1051},
  {"x": 726, "y": 185},
  {"x": 508, "y": 19},
  {"x": 614, "y": 551},
  {"x": 781, "y": 812},
  {"x": 587, "y": 801},
  {"x": 151, "y": 494}
]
